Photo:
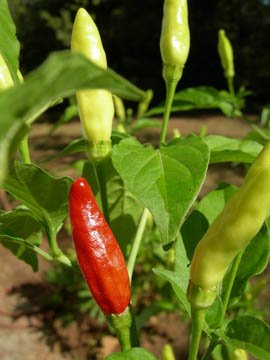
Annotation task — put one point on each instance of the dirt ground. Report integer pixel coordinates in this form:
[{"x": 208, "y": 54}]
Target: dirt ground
[{"x": 29, "y": 333}]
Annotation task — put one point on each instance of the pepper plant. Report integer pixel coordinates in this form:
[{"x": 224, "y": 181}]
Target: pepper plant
[{"x": 219, "y": 242}]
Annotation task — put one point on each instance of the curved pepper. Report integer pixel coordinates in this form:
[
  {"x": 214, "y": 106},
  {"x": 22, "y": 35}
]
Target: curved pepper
[
  {"x": 175, "y": 39},
  {"x": 96, "y": 107},
  {"x": 240, "y": 220},
  {"x": 99, "y": 255}
]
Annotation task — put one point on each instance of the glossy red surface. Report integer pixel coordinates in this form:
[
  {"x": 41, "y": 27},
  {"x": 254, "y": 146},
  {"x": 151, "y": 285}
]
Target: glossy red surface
[{"x": 99, "y": 255}]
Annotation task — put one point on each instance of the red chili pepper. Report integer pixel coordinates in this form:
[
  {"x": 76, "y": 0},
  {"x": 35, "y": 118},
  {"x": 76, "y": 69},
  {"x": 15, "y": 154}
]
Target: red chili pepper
[{"x": 99, "y": 255}]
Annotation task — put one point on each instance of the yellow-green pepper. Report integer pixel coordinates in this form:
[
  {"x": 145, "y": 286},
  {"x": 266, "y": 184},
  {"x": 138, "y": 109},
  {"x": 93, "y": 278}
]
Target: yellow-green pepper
[
  {"x": 240, "y": 220},
  {"x": 225, "y": 51},
  {"x": 175, "y": 39},
  {"x": 96, "y": 107}
]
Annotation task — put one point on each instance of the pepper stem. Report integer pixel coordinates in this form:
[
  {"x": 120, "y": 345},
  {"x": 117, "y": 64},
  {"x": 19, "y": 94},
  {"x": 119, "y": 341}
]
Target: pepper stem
[
  {"x": 170, "y": 91},
  {"x": 122, "y": 326},
  {"x": 24, "y": 150},
  {"x": 98, "y": 154},
  {"x": 230, "y": 85},
  {"x": 137, "y": 243},
  {"x": 197, "y": 316}
]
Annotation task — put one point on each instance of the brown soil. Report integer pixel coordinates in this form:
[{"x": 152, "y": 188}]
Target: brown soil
[{"x": 30, "y": 331}]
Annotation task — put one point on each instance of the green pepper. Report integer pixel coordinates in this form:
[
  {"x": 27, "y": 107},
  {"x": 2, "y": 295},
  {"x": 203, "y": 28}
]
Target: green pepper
[
  {"x": 175, "y": 39},
  {"x": 229, "y": 234},
  {"x": 96, "y": 107},
  {"x": 225, "y": 51}
]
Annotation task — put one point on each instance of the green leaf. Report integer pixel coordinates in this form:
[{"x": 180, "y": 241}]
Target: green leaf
[
  {"x": 224, "y": 149},
  {"x": 132, "y": 354},
  {"x": 76, "y": 146},
  {"x": 124, "y": 208},
  {"x": 253, "y": 261},
  {"x": 144, "y": 123},
  {"x": 20, "y": 233},
  {"x": 250, "y": 334},
  {"x": 61, "y": 75},
  {"x": 9, "y": 45},
  {"x": 181, "y": 265},
  {"x": 172, "y": 176},
  {"x": 175, "y": 280},
  {"x": 202, "y": 97},
  {"x": 45, "y": 195}
]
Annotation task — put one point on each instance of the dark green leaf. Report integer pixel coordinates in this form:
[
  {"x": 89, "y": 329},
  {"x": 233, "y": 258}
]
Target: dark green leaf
[
  {"x": 9, "y": 45},
  {"x": 20, "y": 233},
  {"x": 61, "y": 76},
  {"x": 253, "y": 261},
  {"x": 132, "y": 354},
  {"x": 172, "y": 176},
  {"x": 250, "y": 334},
  {"x": 223, "y": 149},
  {"x": 181, "y": 266},
  {"x": 45, "y": 195}
]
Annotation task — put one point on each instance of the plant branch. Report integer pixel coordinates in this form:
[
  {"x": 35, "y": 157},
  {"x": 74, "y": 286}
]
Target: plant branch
[
  {"x": 137, "y": 243},
  {"x": 170, "y": 91}
]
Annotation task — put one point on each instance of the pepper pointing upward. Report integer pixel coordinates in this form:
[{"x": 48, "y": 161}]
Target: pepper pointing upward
[{"x": 95, "y": 106}]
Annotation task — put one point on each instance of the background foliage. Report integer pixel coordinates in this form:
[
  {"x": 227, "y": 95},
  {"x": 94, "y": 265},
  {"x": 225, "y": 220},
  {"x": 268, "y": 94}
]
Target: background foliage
[{"x": 45, "y": 25}]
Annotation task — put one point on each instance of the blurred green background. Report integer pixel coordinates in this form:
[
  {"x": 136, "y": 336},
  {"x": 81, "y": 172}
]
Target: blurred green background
[{"x": 130, "y": 30}]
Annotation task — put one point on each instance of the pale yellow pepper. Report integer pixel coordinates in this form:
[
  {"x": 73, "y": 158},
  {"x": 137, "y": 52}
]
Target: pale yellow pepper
[
  {"x": 96, "y": 107},
  {"x": 240, "y": 220}
]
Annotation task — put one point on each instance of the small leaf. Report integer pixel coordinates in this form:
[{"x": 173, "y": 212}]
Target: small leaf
[
  {"x": 132, "y": 354},
  {"x": 251, "y": 334},
  {"x": 166, "y": 181},
  {"x": 224, "y": 149},
  {"x": 19, "y": 232},
  {"x": 45, "y": 195}
]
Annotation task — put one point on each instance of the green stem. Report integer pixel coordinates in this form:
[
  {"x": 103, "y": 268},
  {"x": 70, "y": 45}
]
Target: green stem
[
  {"x": 55, "y": 251},
  {"x": 170, "y": 91},
  {"x": 24, "y": 150},
  {"x": 232, "y": 275},
  {"x": 122, "y": 326},
  {"x": 137, "y": 243},
  {"x": 197, "y": 316},
  {"x": 230, "y": 85},
  {"x": 100, "y": 171}
]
